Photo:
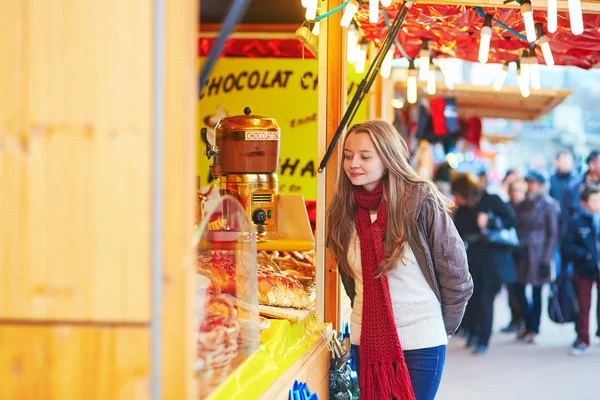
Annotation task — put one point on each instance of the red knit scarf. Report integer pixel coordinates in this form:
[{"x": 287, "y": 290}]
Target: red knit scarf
[{"x": 383, "y": 372}]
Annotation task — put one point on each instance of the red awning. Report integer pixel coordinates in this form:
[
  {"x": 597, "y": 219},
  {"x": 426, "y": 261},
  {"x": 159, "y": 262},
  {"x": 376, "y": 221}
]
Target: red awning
[{"x": 454, "y": 31}]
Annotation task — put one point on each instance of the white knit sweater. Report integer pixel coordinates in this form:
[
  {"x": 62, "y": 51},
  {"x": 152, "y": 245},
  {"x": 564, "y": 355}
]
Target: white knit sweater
[{"x": 417, "y": 311}]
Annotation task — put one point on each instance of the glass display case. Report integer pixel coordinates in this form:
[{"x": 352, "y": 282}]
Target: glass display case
[{"x": 228, "y": 330}]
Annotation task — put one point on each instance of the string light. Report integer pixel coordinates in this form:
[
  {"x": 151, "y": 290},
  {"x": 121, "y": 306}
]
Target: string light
[
  {"x": 546, "y": 51},
  {"x": 552, "y": 15},
  {"x": 361, "y": 60},
  {"x": 500, "y": 78},
  {"x": 411, "y": 84},
  {"x": 352, "y": 46},
  {"x": 534, "y": 70},
  {"x": 386, "y": 3},
  {"x": 448, "y": 71},
  {"x": 575, "y": 17},
  {"x": 311, "y": 9},
  {"x": 349, "y": 13},
  {"x": 397, "y": 103},
  {"x": 484, "y": 41},
  {"x": 525, "y": 67},
  {"x": 424, "y": 57},
  {"x": 431, "y": 82},
  {"x": 527, "y": 13},
  {"x": 386, "y": 65},
  {"x": 523, "y": 78},
  {"x": 373, "y": 11},
  {"x": 316, "y": 29}
]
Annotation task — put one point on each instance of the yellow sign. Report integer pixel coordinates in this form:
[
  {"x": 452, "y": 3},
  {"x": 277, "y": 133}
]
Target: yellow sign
[{"x": 284, "y": 89}]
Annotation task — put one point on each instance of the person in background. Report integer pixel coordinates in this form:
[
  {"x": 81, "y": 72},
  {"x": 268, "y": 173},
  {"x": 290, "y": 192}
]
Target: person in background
[
  {"x": 571, "y": 198},
  {"x": 483, "y": 179},
  {"x": 510, "y": 176},
  {"x": 517, "y": 190},
  {"x": 402, "y": 263},
  {"x": 442, "y": 178},
  {"x": 581, "y": 247},
  {"x": 560, "y": 184},
  {"x": 563, "y": 179},
  {"x": 490, "y": 265},
  {"x": 538, "y": 232}
]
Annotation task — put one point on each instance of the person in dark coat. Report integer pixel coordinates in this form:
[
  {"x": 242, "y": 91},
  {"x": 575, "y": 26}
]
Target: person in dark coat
[
  {"x": 516, "y": 190},
  {"x": 581, "y": 247},
  {"x": 538, "y": 232},
  {"x": 490, "y": 265},
  {"x": 571, "y": 197},
  {"x": 561, "y": 183}
]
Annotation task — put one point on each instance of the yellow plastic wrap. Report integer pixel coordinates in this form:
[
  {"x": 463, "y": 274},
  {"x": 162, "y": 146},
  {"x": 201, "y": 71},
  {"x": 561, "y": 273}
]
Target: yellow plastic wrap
[{"x": 280, "y": 347}]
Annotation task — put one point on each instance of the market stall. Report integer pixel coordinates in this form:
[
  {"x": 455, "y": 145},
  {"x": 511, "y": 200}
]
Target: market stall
[{"x": 429, "y": 32}]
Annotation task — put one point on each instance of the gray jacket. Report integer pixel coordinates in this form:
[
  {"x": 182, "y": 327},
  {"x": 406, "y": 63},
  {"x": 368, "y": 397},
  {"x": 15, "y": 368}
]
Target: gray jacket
[
  {"x": 440, "y": 252},
  {"x": 539, "y": 232}
]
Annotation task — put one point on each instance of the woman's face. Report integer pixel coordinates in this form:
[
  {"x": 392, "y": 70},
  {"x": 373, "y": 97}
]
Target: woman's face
[
  {"x": 517, "y": 194},
  {"x": 362, "y": 163},
  {"x": 459, "y": 200}
]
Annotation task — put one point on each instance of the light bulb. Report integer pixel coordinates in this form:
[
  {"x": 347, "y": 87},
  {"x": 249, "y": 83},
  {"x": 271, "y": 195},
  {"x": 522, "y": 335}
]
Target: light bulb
[
  {"x": 397, "y": 103},
  {"x": 527, "y": 12},
  {"x": 386, "y": 65},
  {"x": 534, "y": 70},
  {"x": 351, "y": 46},
  {"x": 431, "y": 83},
  {"x": 424, "y": 57},
  {"x": 349, "y": 13},
  {"x": 373, "y": 11},
  {"x": 448, "y": 72},
  {"x": 411, "y": 89},
  {"x": 552, "y": 15},
  {"x": 361, "y": 60},
  {"x": 484, "y": 44},
  {"x": 500, "y": 78},
  {"x": 311, "y": 9},
  {"x": 523, "y": 82},
  {"x": 525, "y": 72},
  {"x": 316, "y": 29},
  {"x": 575, "y": 17},
  {"x": 386, "y": 3},
  {"x": 546, "y": 51}
]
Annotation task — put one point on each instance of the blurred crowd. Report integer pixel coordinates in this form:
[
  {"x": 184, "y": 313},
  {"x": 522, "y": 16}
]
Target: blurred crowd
[{"x": 535, "y": 229}]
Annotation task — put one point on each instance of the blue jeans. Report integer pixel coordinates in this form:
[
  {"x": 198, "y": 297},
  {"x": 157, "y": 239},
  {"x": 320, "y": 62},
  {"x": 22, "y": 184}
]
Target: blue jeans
[{"x": 425, "y": 367}]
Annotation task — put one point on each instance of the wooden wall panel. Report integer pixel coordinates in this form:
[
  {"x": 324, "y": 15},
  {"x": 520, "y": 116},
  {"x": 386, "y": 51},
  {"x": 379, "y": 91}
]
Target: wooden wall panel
[
  {"x": 181, "y": 97},
  {"x": 75, "y": 160},
  {"x": 60, "y": 362}
]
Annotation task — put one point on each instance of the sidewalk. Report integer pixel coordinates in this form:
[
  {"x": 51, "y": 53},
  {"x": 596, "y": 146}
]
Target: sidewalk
[{"x": 513, "y": 370}]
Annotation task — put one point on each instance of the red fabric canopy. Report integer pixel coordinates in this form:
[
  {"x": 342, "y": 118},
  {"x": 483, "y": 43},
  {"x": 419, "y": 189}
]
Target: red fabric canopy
[
  {"x": 256, "y": 48},
  {"x": 454, "y": 31}
]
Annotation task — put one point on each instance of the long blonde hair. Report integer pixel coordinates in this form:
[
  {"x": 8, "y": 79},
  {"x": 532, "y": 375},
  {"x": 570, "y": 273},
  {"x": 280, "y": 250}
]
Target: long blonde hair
[{"x": 400, "y": 184}]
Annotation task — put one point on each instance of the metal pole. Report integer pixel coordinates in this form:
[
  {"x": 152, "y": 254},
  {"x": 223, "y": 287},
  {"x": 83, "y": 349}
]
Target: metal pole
[
  {"x": 235, "y": 13},
  {"x": 157, "y": 197}
]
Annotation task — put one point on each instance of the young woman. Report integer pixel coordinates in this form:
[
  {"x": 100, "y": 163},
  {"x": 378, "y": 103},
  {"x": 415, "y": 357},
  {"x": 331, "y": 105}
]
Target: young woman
[{"x": 402, "y": 263}]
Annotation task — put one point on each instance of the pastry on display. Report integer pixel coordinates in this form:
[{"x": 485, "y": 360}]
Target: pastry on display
[
  {"x": 219, "y": 269},
  {"x": 218, "y": 335},
  {"x": 298, "y": 265},
  {"x": 275, "y": 287},
  {"x": 279, "y": 290}
]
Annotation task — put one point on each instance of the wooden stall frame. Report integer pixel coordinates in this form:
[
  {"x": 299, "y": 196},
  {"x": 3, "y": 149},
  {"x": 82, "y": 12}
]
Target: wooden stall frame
[{"x": 332, "y": 103}]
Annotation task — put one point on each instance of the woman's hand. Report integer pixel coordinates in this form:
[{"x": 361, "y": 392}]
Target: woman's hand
[{"x": 482, "y": 220}]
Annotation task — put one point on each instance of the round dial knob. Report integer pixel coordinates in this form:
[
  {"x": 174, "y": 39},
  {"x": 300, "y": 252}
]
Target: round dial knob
[{"x": 259, "y": 216}]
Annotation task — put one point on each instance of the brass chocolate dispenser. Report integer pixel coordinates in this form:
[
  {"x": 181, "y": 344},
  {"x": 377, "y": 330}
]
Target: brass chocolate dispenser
[{"x": 245, "y": 159}]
